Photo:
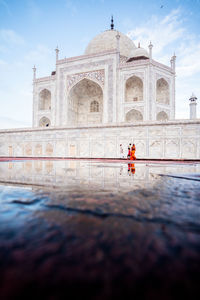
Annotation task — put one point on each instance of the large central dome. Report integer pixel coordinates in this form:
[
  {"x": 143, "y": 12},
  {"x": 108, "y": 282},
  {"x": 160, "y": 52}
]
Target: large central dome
[{"x": 107, "y": 41}]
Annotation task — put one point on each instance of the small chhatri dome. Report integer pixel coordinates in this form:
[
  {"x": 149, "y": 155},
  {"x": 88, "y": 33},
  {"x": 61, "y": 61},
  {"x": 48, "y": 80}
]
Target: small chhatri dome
[
  {"x": 193, "y": 98},
  {"x": 138, "y": 53},
  {"x": 107, "y": 41},
  {"x": 112, "y": 23}
]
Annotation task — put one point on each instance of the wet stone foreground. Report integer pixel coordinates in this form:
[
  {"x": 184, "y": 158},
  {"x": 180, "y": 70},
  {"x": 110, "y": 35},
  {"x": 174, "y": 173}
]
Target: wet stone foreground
[{"x": 103, "y": 231}]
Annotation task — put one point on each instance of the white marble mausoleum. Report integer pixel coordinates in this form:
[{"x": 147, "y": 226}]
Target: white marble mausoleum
[
  {"x": 115, "y": 93},
  {"x": 112, "y": 82}
]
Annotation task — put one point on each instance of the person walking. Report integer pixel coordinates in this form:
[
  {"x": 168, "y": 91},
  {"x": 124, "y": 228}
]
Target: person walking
[
  {"x": 133, "y": 149},
  {"x": 129, "y": 152}
]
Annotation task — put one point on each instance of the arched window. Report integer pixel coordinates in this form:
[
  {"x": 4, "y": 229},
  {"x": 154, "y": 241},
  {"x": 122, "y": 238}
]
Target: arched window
[
  {"x": 162, "y": 91},
  {"x": 44, "y": 122},
  {"x": 162, "y": 116},
  {"x": 38, "y": 149},
  {"x": 28, "y": 149},
  {"x": 134, "y": 89},
  {"x": 85, "y": 103},
  {"x": 134, "y": 116},
  {"x": 94, "y": 106},
  {"x": 49, "y": 149},
  {"x": 45, "y": 100}
]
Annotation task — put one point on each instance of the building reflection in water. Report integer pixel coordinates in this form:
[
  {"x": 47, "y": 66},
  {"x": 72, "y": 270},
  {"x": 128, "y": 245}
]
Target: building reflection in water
[{"x": 87, "y": 173}]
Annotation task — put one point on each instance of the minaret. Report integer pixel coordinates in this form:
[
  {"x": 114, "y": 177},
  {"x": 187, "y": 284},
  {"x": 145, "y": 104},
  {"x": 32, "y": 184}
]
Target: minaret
[
  {"x": 193, "y": 107},
  {"x": 150, "y": 50},
  {"x": 34, "y": 72},
  {"x": 173, "y": 62},
  {"x": 57, "y": 52},
  {"x": 112, "y": 23}
]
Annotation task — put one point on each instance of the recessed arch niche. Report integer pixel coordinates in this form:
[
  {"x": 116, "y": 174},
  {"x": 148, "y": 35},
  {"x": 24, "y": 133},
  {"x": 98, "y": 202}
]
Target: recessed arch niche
[
  {"x": 162, "y": 116},
  {"x": 44, "y": 100},
  {"x": 85, "y": 103},
  {"x": 162, "y": 91},
  {"x": 134, "y": 89},
  {"x": 44, "y": 122},
  {"x": 134, "y": 116}
]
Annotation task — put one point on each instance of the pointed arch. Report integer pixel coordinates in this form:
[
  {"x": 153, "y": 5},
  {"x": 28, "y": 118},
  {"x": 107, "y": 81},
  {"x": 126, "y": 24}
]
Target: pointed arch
[
  {"x": 85, "y": 103},
  {"x": 38, "y": 149},
  {"x": 162, "y": 116},
  {"x": 134, "y": 116},
  {"x": 134, "y": 89},
  {"x": 162, "y": 91},
  {"x": 44, "y": 100},
  {"x": 44, "y": 122},
  {"x": 49, "y": 149}
]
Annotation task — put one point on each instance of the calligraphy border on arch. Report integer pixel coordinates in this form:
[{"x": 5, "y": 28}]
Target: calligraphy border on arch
[{"x": 97, "y": 75}]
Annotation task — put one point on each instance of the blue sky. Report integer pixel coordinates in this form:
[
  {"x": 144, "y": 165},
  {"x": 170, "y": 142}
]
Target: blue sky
[{"x": 31, "y": 29}]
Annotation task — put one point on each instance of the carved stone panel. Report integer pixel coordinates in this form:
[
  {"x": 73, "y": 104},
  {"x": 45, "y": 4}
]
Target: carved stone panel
[
  {"x": 172, "y": 147},
  {"x": 155, "y": 148},
  {"x": 140, "y": 148},
  {"x": 189, "y": 148},
  {"x": 97, "y": 76},
  {"x": 97, "y": 148},
  {"x": 84, "y": 148}
]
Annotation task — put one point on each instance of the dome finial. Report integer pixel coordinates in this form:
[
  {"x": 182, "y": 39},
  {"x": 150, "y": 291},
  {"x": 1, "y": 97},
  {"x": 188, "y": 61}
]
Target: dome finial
[{"x": 112, "y": 23}]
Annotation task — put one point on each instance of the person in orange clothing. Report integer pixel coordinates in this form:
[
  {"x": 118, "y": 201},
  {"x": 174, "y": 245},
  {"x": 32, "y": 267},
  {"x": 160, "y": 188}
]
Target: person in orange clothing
[
  {"x": 133, "y": 149},
  {"x": 133, "y": 168}
]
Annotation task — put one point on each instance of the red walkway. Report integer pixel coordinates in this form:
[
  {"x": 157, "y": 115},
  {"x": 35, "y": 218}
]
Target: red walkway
[{"x": 113, "y": 160}]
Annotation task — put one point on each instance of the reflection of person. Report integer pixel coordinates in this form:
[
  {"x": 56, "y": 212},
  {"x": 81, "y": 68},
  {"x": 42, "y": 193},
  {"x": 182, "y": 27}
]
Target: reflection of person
[
  {"x": 133, "y": 168},
  {"x": 133, "y": 149},
  {"x": 121, "y": 151},
  {"x": 129, "y": 168}
]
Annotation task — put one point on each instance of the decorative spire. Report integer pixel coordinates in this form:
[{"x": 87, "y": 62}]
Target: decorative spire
[
  {"x": 150, "y": 50},
  {"x": 57, "y": 51},
  {"x": 150, "y": 45},
  {"x": 173, "y": 62},
  {"x": 193, "y": 105},
  {"x": 193, "y": 98},
  {"x": 34, "y": 72},
  {"x": 112, "y": 23}
]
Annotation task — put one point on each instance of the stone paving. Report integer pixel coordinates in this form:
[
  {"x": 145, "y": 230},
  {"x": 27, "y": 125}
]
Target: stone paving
[{"x": 100, "y": 230}]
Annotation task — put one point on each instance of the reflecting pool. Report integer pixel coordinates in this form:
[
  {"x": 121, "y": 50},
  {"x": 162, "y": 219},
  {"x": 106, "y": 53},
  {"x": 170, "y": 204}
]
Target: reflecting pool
[{"x": 102, "y": 230}]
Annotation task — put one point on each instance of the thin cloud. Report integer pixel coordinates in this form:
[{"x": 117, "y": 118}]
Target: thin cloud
[
  {"x": 168, "y": 34},
  {"x": 161, "y": 32},
  {"x": 10, "y": 36},
  {"x": 40, "y": 53},
  {"x": 2, "y": 62}
]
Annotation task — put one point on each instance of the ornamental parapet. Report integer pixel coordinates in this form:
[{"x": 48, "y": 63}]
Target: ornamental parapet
[
  {"x": 43, "y": 79},
  {"x": 81, "y": 57}
]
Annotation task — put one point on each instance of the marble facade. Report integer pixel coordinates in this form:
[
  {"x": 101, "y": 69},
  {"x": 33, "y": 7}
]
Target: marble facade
[
  {"x": 172, "y": 139},
  {"x": 113, "y": 94},
  {"x": 127, "y": 84}
]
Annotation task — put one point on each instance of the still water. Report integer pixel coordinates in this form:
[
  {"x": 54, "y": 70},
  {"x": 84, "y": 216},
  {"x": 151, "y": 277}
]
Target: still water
[{"x": 102, "y": 230}]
